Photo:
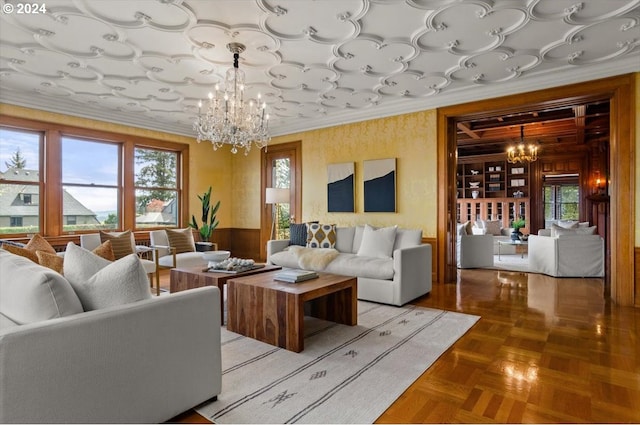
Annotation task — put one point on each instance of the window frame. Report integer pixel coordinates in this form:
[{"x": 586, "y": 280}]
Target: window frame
[{"x": 51, "y": 218}]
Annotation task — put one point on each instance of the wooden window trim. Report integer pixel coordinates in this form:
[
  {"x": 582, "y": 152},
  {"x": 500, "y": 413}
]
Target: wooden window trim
[{"x": 51, "y": 169}]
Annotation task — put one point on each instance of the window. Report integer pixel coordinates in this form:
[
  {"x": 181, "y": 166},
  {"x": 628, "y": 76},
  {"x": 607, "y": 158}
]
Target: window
[
  {"x": 21, "y": 181},
  {"x": 90, "y": 176},
  {"x": 156, "y": 188},
  {"x": 561, "y": 199},
  {"x": 281, "y": 179},
  {"x": 94, "y": 180}
]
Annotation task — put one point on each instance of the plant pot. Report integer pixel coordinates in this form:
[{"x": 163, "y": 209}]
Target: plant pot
[
  {"x": 474, "y": 194},
  {"x": 515, "y": 235},
  {"x": 204, "y": 246}
]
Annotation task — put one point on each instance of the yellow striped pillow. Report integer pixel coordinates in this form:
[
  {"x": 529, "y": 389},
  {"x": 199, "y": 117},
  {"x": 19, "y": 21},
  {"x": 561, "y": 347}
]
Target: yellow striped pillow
[{"x": 181, "y": 240}]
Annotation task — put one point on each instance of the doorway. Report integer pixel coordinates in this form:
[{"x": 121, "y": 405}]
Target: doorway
[
  {"x": 281, "y": 168},
  {"x": 619, "y": 91}
]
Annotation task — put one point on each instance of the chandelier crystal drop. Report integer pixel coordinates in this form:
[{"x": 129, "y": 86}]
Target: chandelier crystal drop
[
  {"x": 230, "y": 119},
  {"x": 522, "y": 153}
]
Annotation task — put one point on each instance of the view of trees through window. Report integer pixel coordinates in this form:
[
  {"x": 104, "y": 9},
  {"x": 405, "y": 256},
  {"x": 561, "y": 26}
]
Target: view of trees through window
[
  {"x": 156, "y": 188},
  {"x": 282, "y": 179},
  {"x": 561, "y": 202}
]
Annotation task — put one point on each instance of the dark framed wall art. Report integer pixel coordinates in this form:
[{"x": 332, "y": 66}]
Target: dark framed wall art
[
  {"x": 380, "y": 185},
  {"x": 341, "y": 187}
]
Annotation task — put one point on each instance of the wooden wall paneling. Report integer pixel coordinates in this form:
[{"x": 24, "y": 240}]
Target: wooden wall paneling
[
  {"x": 637, "y": 273},
  {"x": 245, "y": 243},
  {"x": 434, "y": 257}
]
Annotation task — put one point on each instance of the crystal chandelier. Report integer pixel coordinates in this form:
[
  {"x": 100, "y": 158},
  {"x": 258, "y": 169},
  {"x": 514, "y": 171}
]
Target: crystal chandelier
[
  {"x": 522, "y": 153},
  {"x": 230, "y": 119}
]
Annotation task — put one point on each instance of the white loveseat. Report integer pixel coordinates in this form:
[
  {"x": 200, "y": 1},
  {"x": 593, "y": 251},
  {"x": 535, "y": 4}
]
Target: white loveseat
[
  {"x": 397, "y": 279},
  {"x": 567, "y": 255},
  {"x": 146, "y": 361}
]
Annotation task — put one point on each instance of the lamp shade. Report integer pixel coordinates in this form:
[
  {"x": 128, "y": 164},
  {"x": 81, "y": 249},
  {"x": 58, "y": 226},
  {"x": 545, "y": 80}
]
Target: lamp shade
[{"x": 276, "y": 195}]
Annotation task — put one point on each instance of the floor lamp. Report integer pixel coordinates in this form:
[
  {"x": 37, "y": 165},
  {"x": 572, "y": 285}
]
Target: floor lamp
[{"x": 276, "y": 196}]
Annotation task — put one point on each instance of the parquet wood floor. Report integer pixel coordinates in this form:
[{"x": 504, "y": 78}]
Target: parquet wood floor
[{"x": 544, "y": 351}]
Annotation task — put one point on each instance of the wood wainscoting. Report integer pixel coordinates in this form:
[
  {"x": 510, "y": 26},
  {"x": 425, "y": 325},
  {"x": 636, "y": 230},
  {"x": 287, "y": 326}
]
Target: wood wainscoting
[{"x": 637, "y": 273}]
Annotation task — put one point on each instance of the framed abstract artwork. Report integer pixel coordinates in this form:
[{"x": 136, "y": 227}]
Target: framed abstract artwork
[
  {"x": 340, "y": 187},
  {"x": 380, "y": 185}
]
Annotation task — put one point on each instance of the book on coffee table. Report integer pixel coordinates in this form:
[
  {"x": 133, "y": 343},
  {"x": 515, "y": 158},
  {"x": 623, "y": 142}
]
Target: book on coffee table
[{"x": 295, "y": 276}]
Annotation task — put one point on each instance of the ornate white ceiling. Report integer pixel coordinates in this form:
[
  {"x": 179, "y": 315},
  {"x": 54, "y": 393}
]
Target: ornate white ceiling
[{"x": 317, "y": 63}]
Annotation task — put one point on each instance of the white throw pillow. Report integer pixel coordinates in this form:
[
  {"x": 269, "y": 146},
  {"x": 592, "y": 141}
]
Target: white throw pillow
[
  {"x": 377, "y": 243},
  {"x": 567, "y": 224},
  {"x": 492, "y": 227},
  {"x": 100, "y": 283}
]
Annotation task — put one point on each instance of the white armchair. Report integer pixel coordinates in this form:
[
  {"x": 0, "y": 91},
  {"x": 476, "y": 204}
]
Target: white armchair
[
  {"x": 474, "y": 251},
  {"x": 567, "y": 255},
  {"x": 91, "y": 241},
  {"x": 166, "y": 255}
]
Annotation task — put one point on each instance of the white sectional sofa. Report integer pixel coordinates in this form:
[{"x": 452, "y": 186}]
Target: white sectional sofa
[
  {"x": 395, "y": 279},
  {"x": 145, "y": 361},
  {"x": 567, "y": 255}
]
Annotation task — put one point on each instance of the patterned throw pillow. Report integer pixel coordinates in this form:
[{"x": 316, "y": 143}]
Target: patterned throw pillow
[
  {"x": 298, "y": 232},
  {"x": 181, "y": 240},
  {"x": 321, "y": 235},
  {"x": 120, "y": 243}
]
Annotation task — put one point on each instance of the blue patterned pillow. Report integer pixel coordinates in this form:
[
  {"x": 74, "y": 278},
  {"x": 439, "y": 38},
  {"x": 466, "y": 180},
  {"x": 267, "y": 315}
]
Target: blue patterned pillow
[{"x": 298, "y": 234}]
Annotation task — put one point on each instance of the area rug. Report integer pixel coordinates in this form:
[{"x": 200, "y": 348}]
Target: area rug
[{"x": 345, "y": 374}]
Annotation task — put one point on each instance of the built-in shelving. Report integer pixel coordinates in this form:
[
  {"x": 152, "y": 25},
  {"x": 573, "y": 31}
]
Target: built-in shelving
[{"x": 477, "y": 179}]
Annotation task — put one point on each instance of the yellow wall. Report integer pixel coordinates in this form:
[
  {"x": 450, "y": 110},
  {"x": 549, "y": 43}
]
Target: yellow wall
[
  {"x": 205, "y": 166},
  {"x": 411, "y": 138}
]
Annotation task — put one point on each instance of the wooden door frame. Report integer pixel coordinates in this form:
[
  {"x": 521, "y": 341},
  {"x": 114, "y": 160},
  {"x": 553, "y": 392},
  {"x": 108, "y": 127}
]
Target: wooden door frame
[
  {"x": 620, "y": 91},
  {"x": 294, "y": 151}
]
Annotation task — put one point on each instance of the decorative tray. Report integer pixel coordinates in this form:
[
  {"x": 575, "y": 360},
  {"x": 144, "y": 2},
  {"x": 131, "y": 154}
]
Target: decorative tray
[{"x": 235, "y": 270}]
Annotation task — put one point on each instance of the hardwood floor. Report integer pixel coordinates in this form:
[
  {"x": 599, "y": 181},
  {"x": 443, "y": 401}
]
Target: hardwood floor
[{"x": 545, "y": 350}]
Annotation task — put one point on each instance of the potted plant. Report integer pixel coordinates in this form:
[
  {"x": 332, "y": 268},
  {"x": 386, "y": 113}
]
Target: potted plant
[
  {"x": 209, "y": 222},
  {"x": 516, "y": 225}
]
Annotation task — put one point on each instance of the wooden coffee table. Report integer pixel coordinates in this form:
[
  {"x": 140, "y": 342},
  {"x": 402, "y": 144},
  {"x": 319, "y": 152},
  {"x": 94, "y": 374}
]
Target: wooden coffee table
[
  {"x": 196, "y": 277},
  {"x": 273, "y": 312}
]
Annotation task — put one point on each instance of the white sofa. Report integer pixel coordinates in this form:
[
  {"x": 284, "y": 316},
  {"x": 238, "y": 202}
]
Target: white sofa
[
  {"x": 396, "y": 280},
  {"x": 567, "y": 255},
  {"x": 145, "y": 361},
  {"x": 474, "y": 251}
]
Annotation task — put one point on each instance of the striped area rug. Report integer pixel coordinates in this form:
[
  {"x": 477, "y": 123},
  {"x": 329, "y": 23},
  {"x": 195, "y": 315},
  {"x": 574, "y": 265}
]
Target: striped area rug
[{"x": 346, "y": 374}]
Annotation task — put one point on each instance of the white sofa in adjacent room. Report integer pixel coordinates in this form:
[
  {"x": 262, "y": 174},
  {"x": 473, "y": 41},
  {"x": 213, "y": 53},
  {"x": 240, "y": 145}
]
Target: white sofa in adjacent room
[
  {"x": 139, "y": 362},
  {"x": 567, "y": 255},
  {"x": 395, "y": 273}
]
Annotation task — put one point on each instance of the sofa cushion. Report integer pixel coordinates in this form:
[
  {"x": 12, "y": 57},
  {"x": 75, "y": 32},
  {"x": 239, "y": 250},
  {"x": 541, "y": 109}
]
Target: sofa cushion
[
  {"x": 492, "y": 227},
  {"x": 38, "y": 243},
  {"x": 357, "y": 239},
  {"x": 298, "y": 234},
  {"x": 120, "y": 242},
  {"x": 51, "y": 261},
  {"x": 361, "y": 266},
  {"x": 100, "y": 283},
  {"x": 105, "y": 250},
  {"x": 181, "y": 240},
  {"x": 321, "y": 235},
  {"x": 560, "y": 231},
  {"x": 22, "y": 252},
  {"x": 33, "y": 293},
  {"x": 377, "y": 243},
  {"x": 406, "y": 238},
  {"x": 344, "y": 238}
]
